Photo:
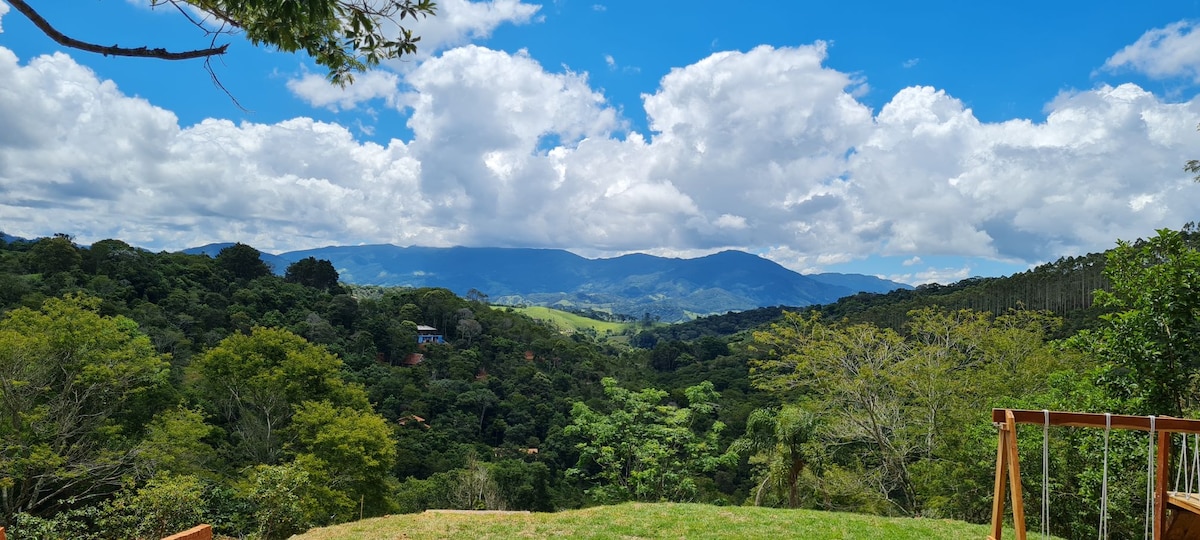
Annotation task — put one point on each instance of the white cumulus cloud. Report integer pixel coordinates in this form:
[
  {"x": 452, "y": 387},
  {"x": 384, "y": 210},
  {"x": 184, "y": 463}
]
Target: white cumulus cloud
[
  {"x": 767, "y": 150},
  {"x": 3, "y": 10},
  {"x": 1171, "y": 51},
  {"x": 318, "y": 92},
  {"x": 459, "y": 22}
]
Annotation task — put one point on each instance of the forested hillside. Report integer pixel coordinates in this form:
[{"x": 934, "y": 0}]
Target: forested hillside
[
  {"x": 635, "y": 285},
  {"x": 145, "y": 392},
  {"x": 1064, "y": 287}
]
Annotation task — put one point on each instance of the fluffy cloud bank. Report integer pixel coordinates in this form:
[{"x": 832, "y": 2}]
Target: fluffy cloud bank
[{"x": 767, "y": 149}]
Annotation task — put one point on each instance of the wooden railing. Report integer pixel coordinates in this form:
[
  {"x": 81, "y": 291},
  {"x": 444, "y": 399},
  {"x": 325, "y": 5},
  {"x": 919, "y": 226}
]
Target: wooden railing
[{"x": 1006, "y": 421}]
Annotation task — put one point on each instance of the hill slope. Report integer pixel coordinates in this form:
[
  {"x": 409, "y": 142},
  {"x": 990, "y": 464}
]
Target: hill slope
[
  {"x": 635, "y": 284},
  {"x": 641, "y": 520}
]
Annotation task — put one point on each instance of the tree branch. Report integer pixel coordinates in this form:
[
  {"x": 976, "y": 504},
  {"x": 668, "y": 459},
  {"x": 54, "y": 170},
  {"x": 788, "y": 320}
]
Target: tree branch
[{"x": 140, "y": 52}]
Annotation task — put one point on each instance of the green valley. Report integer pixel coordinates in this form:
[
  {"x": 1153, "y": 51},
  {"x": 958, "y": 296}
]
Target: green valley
[{"x": 147, "y": 392}]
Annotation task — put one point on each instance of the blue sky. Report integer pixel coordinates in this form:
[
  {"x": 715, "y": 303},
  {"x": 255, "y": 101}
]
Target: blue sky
[{"x": 926, "y": 142}]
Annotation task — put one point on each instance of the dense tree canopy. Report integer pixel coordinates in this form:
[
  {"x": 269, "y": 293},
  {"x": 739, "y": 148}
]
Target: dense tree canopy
[
  {"x": 1154, "y": 331},
  {"x": 312, "y": 272},
  {"x": 242, "y": 262},
  {"x": 645, "y": 450},
  {"x": 74, "y": 386}
]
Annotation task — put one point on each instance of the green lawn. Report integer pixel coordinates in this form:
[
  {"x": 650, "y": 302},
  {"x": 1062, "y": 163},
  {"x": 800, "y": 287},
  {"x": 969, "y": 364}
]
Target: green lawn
[
  {"x": 570, "y": 321},
  {"x": 641, "y": 520}
]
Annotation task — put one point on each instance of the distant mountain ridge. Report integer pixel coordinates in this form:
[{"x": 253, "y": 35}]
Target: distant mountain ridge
[{"x": 635, "y": 284}]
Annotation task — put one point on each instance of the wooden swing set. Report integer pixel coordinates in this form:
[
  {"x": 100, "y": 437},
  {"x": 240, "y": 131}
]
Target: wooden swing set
[{"x": 1183, "y": 520}]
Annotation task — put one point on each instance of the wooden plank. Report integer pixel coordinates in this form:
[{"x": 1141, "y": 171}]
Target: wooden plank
[
  {"x": 1184, "y": 501},
  {"x": 1184, "y": 526},
  {"x": 1096, "y": 420},
  {"x": 199, "y": 532},
  {"x": 1014, "y": 476}
]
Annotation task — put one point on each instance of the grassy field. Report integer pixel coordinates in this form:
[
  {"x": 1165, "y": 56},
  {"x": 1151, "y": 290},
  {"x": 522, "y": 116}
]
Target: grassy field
[
  {"x": 640, "y": 520},
  {"x": 571, "y": 322}
]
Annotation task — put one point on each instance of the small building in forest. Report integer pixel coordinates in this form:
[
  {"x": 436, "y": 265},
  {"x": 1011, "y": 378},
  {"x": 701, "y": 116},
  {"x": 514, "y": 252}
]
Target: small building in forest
[{"x": 428, "y": 334}]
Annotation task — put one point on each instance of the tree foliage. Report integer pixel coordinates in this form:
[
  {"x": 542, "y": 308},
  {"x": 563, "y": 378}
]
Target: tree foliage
[
  {"x": 242, "y": 262},
  {"x": 74, "y": 386},
  {"x": 344, "y": 36},
  {"x": 350, "y": 452},
  {"x": 255, "y": 382},
  {"x": 1153, "y": 333},
  {"x": 645, "y": 450},
  {"x": 896, "y": 407},
  {"x": 779, "y": 440},
  {"x": 311, "y": 272}
]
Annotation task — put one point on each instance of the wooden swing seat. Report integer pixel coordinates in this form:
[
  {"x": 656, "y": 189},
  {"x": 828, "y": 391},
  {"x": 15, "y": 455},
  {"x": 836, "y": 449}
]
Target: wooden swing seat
[
  {"x": 1188, "y": 502},
  {"x": 1184, "y": 522}
]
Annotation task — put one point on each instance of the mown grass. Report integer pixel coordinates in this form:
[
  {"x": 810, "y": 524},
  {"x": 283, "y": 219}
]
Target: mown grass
[
  {"x": 570, "y": 321},
  {"x": 642, "y": 520}
]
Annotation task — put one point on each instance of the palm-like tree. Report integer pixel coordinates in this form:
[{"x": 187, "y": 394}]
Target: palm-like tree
[{"x": 776, "y": 438}]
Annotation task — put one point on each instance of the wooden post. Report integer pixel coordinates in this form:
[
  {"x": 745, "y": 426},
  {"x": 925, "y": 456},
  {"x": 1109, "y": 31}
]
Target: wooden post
[
  {"x": 1162, "y": 462},
  {"x": 998, "y": 494},
  {"x": 1008, "y": 461},
  {"x": 1014, "y": 477}
]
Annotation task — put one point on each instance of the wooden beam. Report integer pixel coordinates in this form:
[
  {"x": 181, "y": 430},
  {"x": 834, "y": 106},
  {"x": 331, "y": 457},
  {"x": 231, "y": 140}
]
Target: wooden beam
[{"x": 1095, "y": 420}]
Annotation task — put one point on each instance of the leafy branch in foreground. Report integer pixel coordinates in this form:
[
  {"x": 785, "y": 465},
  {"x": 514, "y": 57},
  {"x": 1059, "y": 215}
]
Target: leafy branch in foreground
[{"x": 344, "y": 36}]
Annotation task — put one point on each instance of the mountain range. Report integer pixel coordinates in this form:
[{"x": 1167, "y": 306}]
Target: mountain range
[{"x": 637, "y": 284}]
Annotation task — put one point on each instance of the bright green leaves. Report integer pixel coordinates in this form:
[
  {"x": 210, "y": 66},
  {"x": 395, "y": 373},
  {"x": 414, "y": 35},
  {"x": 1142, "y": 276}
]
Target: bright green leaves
[
  {"x": 779, "y": 441},
  {"x": 176, "y": 441},
  {"x": 351, "y": 451},
  {"x": 73, "y": 385},
  {"x": 282, "y": 497},
  {"x": 645, "y": 450},
  {"x": 344, "y": 36},
  {"x": 892, "y": 405},
  {"x": 284, "y": 403},
  {"x": 1155, "y": 332}
]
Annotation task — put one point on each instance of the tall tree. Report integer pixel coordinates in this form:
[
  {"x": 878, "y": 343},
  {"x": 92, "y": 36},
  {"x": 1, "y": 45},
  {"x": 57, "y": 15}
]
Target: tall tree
[
  {"x": 852, "y": 368},
  {"x": 242, "y": 261},
  {"x": 778, "y": 439},
  {"x": 253, "y": 383},
  {"x": 74, "y": 387},
  {"x": 645, "y": 450},
  {"x": 351, "y": 452},
  {"x": 312, "y": 272},
  {"x": 55, "y": 254},
  {"x": 1155, "y": 332}
]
